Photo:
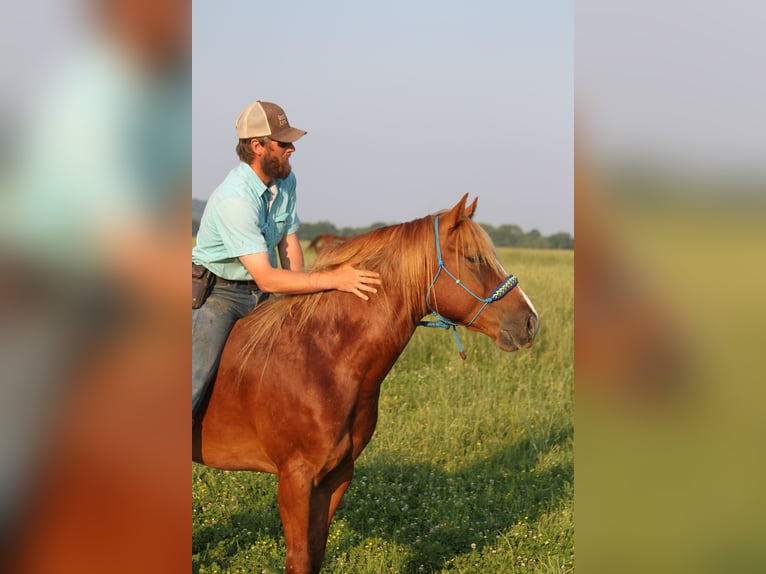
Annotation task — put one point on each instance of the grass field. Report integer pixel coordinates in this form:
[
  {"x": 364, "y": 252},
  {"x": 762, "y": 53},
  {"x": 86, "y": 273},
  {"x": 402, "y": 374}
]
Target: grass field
[{"x": 471, "y": 468}]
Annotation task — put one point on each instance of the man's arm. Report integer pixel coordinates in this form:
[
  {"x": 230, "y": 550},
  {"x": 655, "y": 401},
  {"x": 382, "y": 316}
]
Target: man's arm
[
  {"x": 344, "y": 278},
  {"x": 291, "y": 253}
]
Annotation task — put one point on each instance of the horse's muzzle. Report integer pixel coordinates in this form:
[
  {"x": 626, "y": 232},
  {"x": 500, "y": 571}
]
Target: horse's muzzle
[{"x": 518, "y": 333}]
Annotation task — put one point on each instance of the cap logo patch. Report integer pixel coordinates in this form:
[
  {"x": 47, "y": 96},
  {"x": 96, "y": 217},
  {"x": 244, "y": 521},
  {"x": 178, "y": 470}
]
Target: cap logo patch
[{"x": 282, "y": 118}]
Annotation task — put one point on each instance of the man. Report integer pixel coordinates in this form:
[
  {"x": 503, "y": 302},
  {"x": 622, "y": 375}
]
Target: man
[{"x": 248, "y": 219}]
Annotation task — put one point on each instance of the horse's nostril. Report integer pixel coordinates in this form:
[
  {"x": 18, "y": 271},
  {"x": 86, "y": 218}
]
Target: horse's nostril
[{"x": 533, "y": 323}]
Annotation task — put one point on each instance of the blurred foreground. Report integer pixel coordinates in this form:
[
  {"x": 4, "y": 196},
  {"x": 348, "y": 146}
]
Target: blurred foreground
[
  {"x": 94, "y": 206},
  {"x": 669, "y": 284},
  {"x": 670, "y": 212}
]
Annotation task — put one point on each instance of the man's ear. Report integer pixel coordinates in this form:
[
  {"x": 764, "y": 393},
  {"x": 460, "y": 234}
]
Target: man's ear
[{"x": 256, "y": 147}]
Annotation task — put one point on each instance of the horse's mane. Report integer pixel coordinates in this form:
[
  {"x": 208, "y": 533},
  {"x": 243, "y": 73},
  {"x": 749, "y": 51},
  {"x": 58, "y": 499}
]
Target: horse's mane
[{"x": 403, "y": 254}]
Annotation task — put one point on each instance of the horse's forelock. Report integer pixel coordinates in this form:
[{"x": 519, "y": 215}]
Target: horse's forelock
[{"x": 473, "y": 239}]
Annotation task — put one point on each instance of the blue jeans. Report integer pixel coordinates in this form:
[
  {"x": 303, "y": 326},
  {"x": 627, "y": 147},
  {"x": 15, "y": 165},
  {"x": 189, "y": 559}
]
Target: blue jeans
[{"x": 211, "y": 325}]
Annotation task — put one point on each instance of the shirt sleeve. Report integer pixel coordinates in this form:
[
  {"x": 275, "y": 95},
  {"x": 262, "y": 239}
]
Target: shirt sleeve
[{"x": 240, "y": 234}]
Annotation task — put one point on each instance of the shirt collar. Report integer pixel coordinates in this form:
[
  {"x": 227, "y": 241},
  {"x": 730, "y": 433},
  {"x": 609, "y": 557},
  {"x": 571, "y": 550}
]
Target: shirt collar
[
  {"x": 266, "y": 192},
  {"x": 253, "y": 179}
]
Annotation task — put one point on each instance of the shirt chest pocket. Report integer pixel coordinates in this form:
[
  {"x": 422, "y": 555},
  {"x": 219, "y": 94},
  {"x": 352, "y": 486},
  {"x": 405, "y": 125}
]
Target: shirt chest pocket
[{"x": 273, "y": 228}]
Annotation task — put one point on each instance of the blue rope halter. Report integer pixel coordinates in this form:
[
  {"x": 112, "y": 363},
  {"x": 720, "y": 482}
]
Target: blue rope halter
[{"x": 442, "y": 322}]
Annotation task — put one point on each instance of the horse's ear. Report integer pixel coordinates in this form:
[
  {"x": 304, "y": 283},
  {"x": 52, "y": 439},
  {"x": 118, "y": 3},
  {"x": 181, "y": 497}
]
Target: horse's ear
[
  {"x": 471, "y": 209},
  {"x": 455, "y": 214}
]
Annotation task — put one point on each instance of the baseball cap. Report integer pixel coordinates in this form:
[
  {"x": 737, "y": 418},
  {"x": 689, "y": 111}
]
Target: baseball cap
[{"x": 261, "y": 119}]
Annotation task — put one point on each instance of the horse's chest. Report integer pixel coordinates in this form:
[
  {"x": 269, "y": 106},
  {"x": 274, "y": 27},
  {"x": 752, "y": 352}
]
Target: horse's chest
[{"x": 363, "y": 425}]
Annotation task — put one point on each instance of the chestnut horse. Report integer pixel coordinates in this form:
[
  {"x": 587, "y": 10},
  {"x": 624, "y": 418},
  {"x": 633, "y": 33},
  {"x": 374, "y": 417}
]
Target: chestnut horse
[{"x": 298, "y": 384}]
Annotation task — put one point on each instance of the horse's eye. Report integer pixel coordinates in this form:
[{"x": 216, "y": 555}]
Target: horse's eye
[{"x": 475, "y": 259}]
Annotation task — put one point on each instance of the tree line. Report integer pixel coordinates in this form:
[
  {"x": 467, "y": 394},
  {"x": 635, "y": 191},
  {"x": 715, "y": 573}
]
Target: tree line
[{"x": 502, "y": 236}]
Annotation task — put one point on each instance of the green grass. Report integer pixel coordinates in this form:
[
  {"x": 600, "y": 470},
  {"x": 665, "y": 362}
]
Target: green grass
[{"x": 471, "y": 468}]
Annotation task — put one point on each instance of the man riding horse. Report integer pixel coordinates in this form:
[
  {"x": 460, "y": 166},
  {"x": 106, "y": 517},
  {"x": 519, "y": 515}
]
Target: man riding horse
[{"x": 250, "y": 217}]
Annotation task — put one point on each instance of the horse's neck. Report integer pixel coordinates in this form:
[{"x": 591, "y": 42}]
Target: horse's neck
[
  {"x": 394, "y": 317},
  {"x": 401, "y": 316}
]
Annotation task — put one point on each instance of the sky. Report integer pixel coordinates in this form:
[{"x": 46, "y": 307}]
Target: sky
[
  {"x": 672, "y": 82},
  {"x": 408, "y": 105}
]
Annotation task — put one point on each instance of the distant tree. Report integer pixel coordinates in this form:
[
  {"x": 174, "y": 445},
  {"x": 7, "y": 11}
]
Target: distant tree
[
  {"x": 510, "y": 235},
  {"x": 488, "y": 228},
  {"x": 560, "y": 240},
  {"x": 534, "y": 239}
]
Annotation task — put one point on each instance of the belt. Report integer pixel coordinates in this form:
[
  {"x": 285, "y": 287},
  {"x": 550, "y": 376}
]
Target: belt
[{"x": 234, "y": 283}]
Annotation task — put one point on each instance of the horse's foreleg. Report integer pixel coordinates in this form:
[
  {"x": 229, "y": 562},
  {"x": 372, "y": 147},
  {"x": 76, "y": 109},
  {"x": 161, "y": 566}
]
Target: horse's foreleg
[
  {"x": 325, "y": 498},
  {"x": 307, "y": 511},
  {"x": 336, "y": 484},
  {"x": 294, "y": 496}
]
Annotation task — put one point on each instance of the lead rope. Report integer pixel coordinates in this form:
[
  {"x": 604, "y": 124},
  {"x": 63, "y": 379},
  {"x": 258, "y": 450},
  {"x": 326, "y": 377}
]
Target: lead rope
[{"x": 442, "y": 323}]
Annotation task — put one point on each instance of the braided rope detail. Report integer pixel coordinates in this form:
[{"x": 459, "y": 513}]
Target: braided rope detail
[{"x": 504, "y": 288}]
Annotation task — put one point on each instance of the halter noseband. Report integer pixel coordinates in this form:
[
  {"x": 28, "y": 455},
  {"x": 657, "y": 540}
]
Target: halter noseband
[{"x": 442, "y": 322}]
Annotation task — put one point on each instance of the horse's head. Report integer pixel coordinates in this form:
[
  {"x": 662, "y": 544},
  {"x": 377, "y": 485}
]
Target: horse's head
[{"x": 470, "y": 286}]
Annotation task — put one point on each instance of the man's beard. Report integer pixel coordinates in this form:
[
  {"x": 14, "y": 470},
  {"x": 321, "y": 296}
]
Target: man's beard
[{"x": 274, "y": 168}]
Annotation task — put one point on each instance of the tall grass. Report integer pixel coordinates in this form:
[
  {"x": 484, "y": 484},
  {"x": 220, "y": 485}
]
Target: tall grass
[{"x": 470, "y": 470}]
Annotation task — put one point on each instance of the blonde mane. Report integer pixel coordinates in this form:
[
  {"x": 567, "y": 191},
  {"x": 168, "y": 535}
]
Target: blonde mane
[{"x": 403, "y": 254}]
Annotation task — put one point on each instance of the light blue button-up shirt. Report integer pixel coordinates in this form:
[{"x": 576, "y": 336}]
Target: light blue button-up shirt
[{"x": 243, "y": 216}]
